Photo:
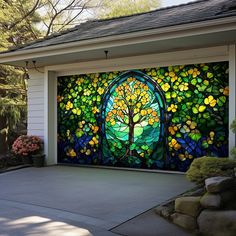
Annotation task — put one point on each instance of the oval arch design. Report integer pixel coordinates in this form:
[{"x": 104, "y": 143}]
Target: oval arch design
[{"x": 133, "y": 122}]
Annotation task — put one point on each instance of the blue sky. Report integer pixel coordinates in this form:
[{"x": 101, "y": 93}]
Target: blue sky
[{"x": 165, "y": 3}]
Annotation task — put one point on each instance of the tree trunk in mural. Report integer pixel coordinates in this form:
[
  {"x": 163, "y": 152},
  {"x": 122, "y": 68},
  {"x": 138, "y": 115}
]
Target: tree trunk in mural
[{"x": 131, "y": 133}]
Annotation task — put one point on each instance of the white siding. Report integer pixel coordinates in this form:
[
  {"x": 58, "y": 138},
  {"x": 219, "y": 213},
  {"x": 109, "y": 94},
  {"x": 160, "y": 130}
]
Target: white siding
[
  {"x": 35, "y": 107},
  {"x": 36, "y": 104},
  {"x": 35, "y": 101}
]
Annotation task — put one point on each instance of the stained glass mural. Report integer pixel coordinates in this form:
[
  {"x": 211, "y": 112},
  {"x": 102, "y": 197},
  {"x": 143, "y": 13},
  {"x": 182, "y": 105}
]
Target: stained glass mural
[{"x": 159, "y": 118}]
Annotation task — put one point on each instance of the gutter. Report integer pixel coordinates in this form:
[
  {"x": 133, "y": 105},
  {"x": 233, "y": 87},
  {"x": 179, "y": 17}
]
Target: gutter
[{"x": 179, "y": 31}]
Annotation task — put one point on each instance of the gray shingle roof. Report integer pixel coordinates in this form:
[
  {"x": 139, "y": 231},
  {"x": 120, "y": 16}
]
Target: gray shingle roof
[{"x": 171, "y": 16}]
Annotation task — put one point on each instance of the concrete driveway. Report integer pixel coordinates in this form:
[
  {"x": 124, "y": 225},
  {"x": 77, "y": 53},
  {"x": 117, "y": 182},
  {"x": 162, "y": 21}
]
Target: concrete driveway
[{"x": 62, "y": 200}]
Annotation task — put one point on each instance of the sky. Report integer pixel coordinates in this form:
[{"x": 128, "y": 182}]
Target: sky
[{"x": 165, "y": 3}]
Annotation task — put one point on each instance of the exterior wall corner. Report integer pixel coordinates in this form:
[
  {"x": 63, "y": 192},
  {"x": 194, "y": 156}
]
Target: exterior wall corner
[
  {"x": 232, "y": 93},
  {"x": 50, "y": 117}
]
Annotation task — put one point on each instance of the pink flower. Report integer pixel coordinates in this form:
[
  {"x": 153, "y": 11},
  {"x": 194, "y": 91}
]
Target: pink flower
[{"x": 26, "y": 145}]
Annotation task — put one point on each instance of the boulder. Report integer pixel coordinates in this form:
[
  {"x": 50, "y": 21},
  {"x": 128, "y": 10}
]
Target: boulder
[
  {"x": 219, "y": 184},
  {"x": 217, "y": 223},
  {"x": 188, "y": 205},
  {"x": 219, "y": 200},
  {"x": 185, "y": 221},
  {"x": 211, "y": 201}
]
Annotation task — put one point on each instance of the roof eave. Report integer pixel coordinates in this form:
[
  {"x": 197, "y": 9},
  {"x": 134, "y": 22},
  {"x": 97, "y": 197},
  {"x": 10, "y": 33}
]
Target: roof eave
[{"x": 177, "y": 31}]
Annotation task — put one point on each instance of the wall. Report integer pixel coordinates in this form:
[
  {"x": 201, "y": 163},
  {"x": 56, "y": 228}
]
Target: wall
[{"x": 36, "y": 104}]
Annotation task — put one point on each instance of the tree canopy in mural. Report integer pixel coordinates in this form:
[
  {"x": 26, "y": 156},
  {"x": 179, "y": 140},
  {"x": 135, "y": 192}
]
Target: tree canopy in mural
[{"x": 132, "y": 118}]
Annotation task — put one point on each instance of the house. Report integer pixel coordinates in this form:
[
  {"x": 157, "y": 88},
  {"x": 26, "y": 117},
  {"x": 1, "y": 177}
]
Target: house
[{"x": 152, "y": 90}]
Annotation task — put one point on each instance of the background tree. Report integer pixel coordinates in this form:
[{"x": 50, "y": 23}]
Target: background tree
[
  {"x": 109, "y": 8},
  {"x": 17, "y": 19}
]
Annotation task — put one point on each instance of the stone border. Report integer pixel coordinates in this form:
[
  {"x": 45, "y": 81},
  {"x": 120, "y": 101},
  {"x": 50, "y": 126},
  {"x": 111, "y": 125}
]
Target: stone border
[{"x": 210, "y": 210}]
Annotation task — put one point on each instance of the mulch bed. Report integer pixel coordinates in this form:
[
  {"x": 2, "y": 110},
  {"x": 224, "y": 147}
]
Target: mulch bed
[{"x": 9, "y": 161}]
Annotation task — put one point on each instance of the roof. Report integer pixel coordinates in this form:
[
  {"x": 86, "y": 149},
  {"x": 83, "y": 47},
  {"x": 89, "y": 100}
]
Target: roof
[{"x": 192, "y": 12}]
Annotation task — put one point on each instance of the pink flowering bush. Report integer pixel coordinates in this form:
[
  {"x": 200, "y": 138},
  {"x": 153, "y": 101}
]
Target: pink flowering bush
[{"x": 25, "y": 145}]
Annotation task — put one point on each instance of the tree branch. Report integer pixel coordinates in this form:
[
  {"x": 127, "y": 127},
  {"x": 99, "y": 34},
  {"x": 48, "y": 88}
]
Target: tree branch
[
  {"x": 25, "y": 15},
  {"x": 57, "y": 13},
  {"x": 72, "y": 19}
]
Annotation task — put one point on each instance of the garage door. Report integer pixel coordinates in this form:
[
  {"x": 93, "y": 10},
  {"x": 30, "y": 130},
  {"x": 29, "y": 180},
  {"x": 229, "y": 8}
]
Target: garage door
[{"x": 154, "y": 118}]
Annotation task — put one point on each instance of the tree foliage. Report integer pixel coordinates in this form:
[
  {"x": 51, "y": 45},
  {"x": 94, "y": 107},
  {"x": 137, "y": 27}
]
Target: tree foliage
[
  {"x": 17, "y": 26},
  {"x": 110, "y": 9},
  {"x": 17, "y": 22}
]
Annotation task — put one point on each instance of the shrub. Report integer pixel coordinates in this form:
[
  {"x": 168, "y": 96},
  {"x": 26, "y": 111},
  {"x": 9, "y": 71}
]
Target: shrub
[
  {"x": 26, "y": 145},
  {"x": 205, "y": 167}
]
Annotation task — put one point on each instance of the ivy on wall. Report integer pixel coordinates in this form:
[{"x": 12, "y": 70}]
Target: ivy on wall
[{"x": 157, "y": 118}]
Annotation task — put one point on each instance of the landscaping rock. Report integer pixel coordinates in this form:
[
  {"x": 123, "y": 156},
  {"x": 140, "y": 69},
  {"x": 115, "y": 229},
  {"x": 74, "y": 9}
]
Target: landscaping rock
[
  {"x": 219, "y": 184},
  {"x": 185, "y": 221},
  {"x": 188, "y": 205},
  {"x": 219, "y": 200},
  {"x": 158, "y": 210},
  {"x": 211, "y": 201},
  {"x": 217, "y": 223},
  {"x": 164, "y": 211}
]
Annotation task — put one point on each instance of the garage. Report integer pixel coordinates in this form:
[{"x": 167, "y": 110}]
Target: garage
[{"x": 148, "y": 91}]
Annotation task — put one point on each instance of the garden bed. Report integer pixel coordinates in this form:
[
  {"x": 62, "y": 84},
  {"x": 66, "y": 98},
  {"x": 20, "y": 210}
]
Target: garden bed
[{"x": 10, "y": 162}]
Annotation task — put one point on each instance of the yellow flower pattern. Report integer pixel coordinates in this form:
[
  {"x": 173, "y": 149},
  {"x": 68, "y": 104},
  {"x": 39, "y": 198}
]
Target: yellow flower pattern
[
  {"x": 210, "y": 101},
  {"x": 172, "y": 107}
]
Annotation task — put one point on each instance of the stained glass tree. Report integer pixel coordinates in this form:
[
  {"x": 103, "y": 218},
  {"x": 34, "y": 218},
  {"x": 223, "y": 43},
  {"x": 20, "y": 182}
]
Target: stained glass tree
[{"x": 132, "y": 120}]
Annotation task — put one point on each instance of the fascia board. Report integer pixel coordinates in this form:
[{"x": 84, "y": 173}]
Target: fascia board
[{"x": 211, "y": 54}]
